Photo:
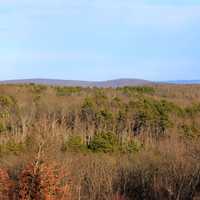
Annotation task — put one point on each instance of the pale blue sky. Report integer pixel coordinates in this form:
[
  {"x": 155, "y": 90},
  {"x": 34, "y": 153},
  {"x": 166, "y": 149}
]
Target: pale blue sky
[{"x": 100, "y": 39}]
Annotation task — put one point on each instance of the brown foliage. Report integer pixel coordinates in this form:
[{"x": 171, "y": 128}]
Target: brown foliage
[
  {"x": 40, "y": 181},
  {"x": 5, "y": 185}
]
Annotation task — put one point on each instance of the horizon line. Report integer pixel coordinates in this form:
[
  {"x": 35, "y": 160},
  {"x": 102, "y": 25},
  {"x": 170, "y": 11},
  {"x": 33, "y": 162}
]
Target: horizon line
[{"x": 114, "y": 79}]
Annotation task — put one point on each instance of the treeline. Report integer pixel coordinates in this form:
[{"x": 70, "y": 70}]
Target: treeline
[{"x": 87, "y": 115}]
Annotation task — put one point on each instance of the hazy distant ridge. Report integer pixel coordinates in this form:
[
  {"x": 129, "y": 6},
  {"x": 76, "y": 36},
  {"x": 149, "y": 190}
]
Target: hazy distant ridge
[
  {"x": 184, "y": 82},
  {"x": 109, "y": 83}
]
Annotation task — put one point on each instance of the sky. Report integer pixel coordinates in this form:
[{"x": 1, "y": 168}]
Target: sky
[{"x": 100, "y": 39}]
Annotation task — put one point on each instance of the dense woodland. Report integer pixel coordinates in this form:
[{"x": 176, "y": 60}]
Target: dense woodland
[{"x": 73, "y": 143}]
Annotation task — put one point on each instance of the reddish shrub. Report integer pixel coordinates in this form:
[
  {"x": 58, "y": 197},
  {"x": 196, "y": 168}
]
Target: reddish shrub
[
  {"x": 5, "y": 185},
  {"x": 39, "y": 181}
]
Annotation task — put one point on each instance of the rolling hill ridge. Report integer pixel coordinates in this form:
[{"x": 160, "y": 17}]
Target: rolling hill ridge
[{"x": 109, "y": 83}]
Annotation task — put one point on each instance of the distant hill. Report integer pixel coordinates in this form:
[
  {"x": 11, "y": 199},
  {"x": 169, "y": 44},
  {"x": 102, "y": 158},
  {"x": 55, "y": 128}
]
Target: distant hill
[
  {"x": 56, "y": 82},
  {"x": 110, "y": 83}
]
